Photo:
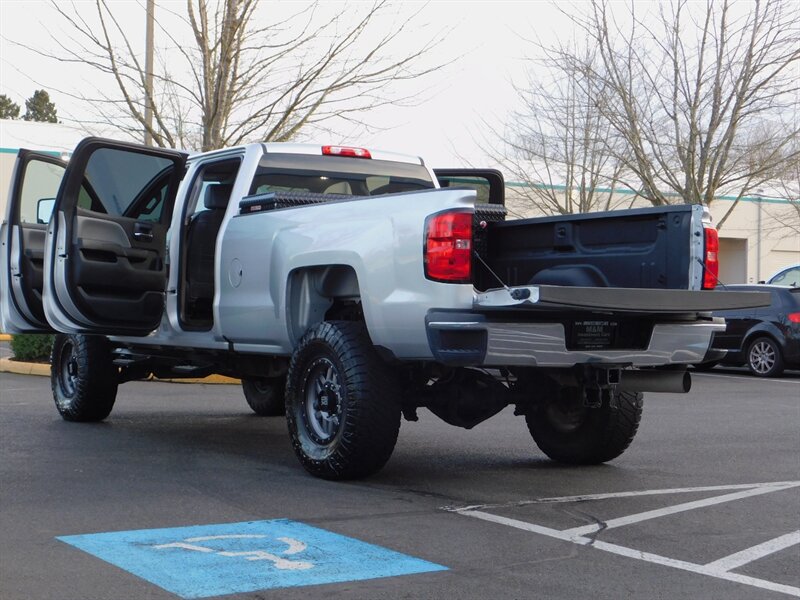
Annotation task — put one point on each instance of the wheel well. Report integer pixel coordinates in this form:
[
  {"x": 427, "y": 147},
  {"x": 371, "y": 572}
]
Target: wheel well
[
  {"x": 319, "y": 293},
  {"x": 755, "y": 335}
]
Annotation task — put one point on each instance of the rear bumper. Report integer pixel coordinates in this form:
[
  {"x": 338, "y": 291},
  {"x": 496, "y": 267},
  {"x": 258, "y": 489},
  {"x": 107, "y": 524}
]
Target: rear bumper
[
  {"x": 791, "y": 351},
  {"x": 473, "y": 339}
]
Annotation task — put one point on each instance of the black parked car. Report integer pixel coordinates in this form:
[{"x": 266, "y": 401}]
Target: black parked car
[{"x": 765, "y": 339}]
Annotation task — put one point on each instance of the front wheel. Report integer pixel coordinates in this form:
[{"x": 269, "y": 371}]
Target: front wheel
[
  {"x": 83, "y": 377},
  {"x": 569, "y": 432},
  {"x": 764, "y": 358},
  {"x": 342, "y": 403}
]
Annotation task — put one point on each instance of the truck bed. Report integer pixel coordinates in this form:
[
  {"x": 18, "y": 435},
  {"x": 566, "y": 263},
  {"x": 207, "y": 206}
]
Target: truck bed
[{"x": 640, "y": 248}]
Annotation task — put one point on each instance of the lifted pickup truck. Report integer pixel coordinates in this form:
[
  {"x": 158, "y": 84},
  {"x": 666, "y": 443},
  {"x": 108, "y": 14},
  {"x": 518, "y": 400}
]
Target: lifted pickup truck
[{"x": 348, "y": 288}]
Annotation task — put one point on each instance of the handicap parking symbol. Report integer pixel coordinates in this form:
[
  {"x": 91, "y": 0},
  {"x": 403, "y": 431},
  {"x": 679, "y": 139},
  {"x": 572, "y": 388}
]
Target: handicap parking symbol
[
  {"x": 279, "y": 562},
  {"x": 212, "y": 560}
]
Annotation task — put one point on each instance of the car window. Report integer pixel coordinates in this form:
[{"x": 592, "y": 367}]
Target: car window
[
  {"x": 337, "y": 175},
  {"x": 120, "y": 177},
  {"x": 40, "y": 182},
  {"x": 790, "y": 277}
]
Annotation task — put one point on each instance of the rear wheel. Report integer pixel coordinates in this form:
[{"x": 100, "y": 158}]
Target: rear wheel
[
  {"x": 83, "y": 377},
  {"x": 764, "y": 357},
  {"x": 569, "y": 432},
  {"x": 342, "y": 403},
  {"x": 265, "y": 395}
]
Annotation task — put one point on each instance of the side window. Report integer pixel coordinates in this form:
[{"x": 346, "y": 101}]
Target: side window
[
  {"x": 40, "y": 184},
  {"x": 84, "y": 199},
  {"x": 149, "y": 205},
  {"x": 152, "y": 208},
  {"x": 789, "y": 277},
  {"x": 126, "y": 183}
]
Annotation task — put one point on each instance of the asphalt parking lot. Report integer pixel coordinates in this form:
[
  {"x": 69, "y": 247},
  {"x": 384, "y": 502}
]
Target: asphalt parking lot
[{"x": 705, "y": 503}]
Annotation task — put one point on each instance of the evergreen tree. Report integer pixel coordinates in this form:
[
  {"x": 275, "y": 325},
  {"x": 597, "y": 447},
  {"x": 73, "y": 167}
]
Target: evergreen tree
[
  {"x": 8, "y": 109},
  {"x": 39, "y": 108}
]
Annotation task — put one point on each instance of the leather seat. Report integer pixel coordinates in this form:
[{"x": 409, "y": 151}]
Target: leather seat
[{"x": 201, "y": 246}]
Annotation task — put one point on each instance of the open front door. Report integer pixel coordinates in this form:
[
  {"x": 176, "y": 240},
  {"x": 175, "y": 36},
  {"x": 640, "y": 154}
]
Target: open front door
[
  {"x": 105, "y": 260},
  {"x": 34, "y": 186}
]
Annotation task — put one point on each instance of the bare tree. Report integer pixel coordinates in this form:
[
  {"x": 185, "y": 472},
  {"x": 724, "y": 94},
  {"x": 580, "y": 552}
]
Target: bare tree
[
  {"x": 783, "y": 207},
  {"x": 698, "y": 95},
  {"x": 558, "y": 144},
  {"x": 228, "y": 77}
]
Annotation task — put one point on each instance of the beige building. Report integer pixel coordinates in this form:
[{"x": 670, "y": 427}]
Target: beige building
[{"x": 754, "y": 242}]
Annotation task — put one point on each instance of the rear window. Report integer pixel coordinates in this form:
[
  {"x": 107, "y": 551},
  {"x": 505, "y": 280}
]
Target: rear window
[{"x": 337, "y": 175}]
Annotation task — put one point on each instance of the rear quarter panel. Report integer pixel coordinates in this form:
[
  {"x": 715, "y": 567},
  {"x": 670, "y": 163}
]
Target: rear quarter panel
[{"x": 380, "y": 238}]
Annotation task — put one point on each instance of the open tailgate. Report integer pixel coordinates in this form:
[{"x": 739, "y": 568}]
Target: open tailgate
[{"x": 626, "y": 300}]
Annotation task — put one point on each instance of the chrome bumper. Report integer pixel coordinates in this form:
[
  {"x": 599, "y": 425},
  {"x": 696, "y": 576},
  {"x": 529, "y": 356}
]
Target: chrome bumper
[{"x": 544, "y": 344}]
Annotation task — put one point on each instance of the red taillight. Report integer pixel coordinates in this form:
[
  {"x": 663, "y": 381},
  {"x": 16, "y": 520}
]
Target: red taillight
[
  {"x": 794, "y": 317},
  {"x": 346, "y": 151},
  {"x": 448, "y": 247},
  {"x": 711, "y": 259}
]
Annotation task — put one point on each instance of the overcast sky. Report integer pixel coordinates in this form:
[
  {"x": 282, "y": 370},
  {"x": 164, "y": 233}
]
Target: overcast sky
[{"x": 486, "y": 38}]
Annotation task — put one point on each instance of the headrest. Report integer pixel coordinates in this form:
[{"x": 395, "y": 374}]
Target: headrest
[{"x": 217, "y": 196}]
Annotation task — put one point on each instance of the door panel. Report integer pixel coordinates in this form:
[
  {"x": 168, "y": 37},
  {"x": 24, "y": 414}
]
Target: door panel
[
  {"x": 105, "y": 260},
  {"x": 36, "y": 181}
]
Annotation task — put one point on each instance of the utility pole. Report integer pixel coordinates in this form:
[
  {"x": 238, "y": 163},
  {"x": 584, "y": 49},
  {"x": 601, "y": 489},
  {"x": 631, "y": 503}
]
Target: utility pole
[{"x": 148, "y": 72}]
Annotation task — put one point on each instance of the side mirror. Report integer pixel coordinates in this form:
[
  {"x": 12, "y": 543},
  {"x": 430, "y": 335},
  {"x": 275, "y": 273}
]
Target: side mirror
[{"x": 44, "y": 208}]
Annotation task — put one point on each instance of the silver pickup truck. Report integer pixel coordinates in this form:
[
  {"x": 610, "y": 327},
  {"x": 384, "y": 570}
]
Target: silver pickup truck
[{"x": 348, "y": 288}]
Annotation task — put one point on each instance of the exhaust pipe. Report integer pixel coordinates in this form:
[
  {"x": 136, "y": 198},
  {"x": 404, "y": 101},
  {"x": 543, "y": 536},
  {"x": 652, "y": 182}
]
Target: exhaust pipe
[{"x": 678, "y": 382}]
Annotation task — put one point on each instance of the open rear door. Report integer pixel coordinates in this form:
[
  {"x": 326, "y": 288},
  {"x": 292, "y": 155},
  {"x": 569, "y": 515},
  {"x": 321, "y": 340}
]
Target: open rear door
[
  {"x": 489, "y": 183},
  {"x": 34, "y": 185},
  {"x": 105, "y": 260}
]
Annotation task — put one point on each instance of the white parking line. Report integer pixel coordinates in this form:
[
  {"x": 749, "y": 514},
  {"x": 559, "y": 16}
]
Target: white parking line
[
  {"x": 677, "y": 508},
  {"x": 659, "y": 492},
  {"x": 739, "y": 559},
  {"x": 745, "y": 376},
  {"x": 637, "y": 554},
  {"x": 720, "y": 569}
]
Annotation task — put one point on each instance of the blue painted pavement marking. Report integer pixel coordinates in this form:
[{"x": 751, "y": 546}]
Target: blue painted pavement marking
[{"x": 212, "y": 560}]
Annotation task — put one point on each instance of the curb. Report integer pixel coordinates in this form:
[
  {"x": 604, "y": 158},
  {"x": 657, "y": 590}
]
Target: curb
[
  {"x": 24, "y": 368},
  {"x": 5, "y": 337},
  {"x": 41, "y": 369}
]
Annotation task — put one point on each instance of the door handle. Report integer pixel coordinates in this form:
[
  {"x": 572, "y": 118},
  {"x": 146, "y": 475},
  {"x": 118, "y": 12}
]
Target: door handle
[{"x": 142, "y": 233}]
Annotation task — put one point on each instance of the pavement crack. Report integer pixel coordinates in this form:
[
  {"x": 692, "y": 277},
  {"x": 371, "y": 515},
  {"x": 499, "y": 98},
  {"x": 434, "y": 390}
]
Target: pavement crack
[{"x": 590, "y": 519}]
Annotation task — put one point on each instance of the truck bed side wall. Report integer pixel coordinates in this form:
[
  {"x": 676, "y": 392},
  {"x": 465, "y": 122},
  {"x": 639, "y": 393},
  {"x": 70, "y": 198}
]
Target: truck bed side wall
[{"x": 381, "y": 239}]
